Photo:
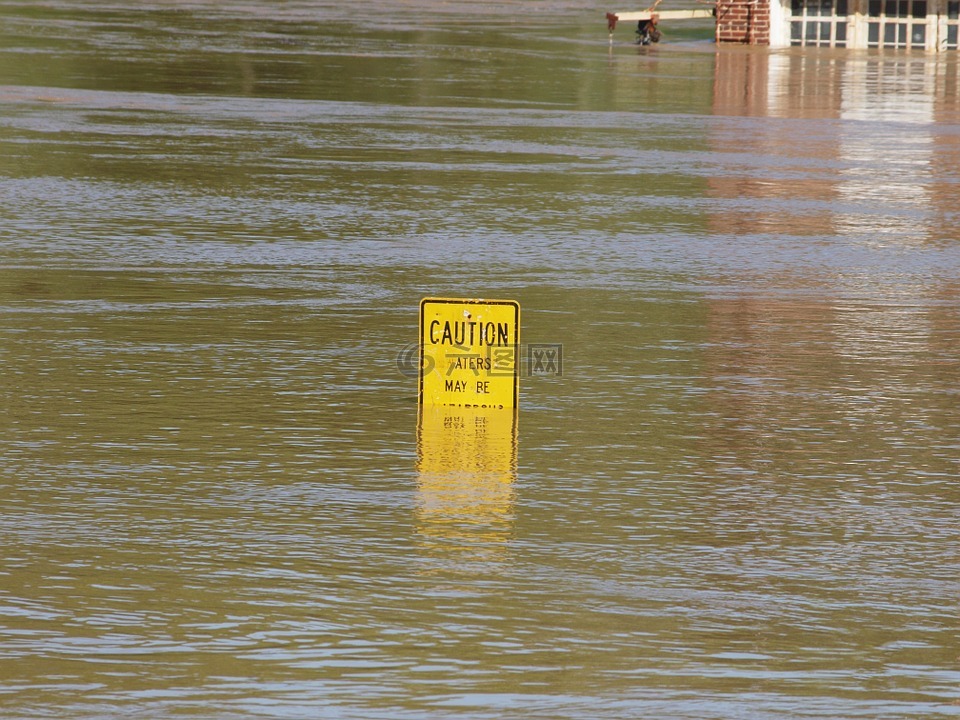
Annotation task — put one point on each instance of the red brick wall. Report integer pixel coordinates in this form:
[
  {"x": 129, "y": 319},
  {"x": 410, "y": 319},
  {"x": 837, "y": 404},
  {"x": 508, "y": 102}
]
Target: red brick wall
[{"x": 743, "y": 21}]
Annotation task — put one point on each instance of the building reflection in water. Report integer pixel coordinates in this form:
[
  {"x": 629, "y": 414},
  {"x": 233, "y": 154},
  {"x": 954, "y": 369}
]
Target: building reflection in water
[
  {"x": 865, "y": 146},
  {"x": 844, "y": 195},
  {"x": 899, "y": 90},
  {"x": 466, "y": 473}
]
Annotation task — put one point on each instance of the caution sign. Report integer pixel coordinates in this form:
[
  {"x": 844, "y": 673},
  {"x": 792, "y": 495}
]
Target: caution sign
[{"x": 468, "y": 352}]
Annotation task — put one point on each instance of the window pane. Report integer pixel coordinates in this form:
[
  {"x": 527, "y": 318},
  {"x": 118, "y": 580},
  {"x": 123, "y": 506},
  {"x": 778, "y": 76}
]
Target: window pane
[
  {"x": 811, "y": 31},
  {"x": 952, "y": 37},
  {"x": 825, "y": 32},
  {"x": 873, "y": 33},
  {"x": 874, "y": 8},
  {"x": 890, "y": 9},
  {"x": 795, "y": 32},
  {"x": 919, "y": 35},
  {"x": 889, "y": 34},
  {"x": 842, "y": 8},
  {"x": 796, "y": 7},
  {"x": 919, "y": 8},
  {"x": 953, "y": 10},
  {"x": 841, "y": 33}
]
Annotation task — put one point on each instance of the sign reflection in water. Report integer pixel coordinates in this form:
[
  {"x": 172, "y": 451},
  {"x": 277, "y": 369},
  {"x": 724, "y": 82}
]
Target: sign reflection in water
[{"x": 466, "y": 472}]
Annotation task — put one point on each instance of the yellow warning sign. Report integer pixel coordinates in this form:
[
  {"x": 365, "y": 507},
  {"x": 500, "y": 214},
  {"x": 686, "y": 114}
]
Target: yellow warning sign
[{"x": 468, "y": 352}]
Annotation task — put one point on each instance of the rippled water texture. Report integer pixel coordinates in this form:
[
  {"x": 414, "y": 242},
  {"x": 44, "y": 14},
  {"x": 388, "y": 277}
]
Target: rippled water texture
[{"x": 735, "y": 498}]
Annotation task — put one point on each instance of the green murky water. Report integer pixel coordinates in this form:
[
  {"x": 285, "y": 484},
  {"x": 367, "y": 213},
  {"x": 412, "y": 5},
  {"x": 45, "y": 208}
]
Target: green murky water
[{"x": 736, "y": 498}]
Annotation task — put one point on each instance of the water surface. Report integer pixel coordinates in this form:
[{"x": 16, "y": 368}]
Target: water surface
[{"x": 738, "y": 499}]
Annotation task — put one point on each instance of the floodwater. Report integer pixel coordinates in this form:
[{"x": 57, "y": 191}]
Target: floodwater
[{"x": 730, "y": 491}]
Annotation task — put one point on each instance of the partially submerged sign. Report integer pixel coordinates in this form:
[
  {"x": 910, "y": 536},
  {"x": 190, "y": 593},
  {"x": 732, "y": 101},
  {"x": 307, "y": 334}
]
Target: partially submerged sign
[{"x": 468, "y": 352}]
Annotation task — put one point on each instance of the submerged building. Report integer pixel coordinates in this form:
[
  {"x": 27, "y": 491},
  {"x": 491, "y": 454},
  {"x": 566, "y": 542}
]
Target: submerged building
[{"x": 930, "y": 25}]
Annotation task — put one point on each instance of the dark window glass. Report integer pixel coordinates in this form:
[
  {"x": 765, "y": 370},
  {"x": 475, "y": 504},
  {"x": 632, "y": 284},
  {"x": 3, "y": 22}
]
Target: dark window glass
[
  {"x": 890, "y": 8},
  {"x": 952, "y": 37},
  {"x": 795, "y": 35},
  {"x": 889, "y": 35},
  {"x": 811, "y": 31},
  {"x": 919, "y": 35},
  {"x": 873, "y": 34},
  {"x": 796, "y": 7},
  {"x": 842, "y": 8},
  {"x": 825, "y": 32},
  {"x": 919, "y": 8},
  {"x": 953, "y": 10},
  {"x": 841, "y": 33},
  {"x": 874, "y": 10}
]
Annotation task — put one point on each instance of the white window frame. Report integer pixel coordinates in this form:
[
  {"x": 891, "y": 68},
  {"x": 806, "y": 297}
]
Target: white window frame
[
  {"x": 827, "y": 29},
  {"x": 941, "y": 25},
  {"x": 949, "y": 29},
  {"x": 901, "y": 26}
]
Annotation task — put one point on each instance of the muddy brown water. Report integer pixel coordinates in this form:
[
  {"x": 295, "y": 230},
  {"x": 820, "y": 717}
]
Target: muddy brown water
[{"x": 736, "y": 498}]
